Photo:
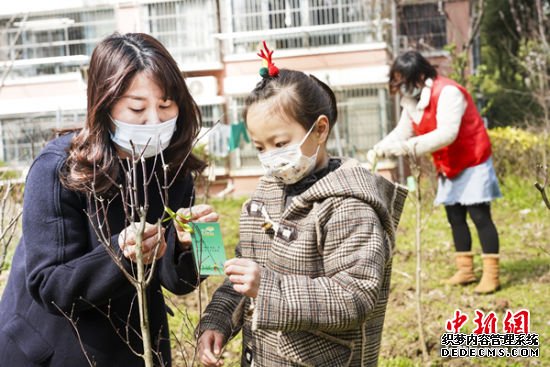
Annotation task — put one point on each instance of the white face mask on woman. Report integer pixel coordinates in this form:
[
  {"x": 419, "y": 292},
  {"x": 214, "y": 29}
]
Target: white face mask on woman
[
  {"x": 413, "y": 94},
  {"x": 148, "y": 140},
  {"x": 288, "y": 164}
]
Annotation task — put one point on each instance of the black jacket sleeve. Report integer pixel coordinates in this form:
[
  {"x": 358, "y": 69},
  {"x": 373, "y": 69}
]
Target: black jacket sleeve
[{"x": 62, "y": 266}]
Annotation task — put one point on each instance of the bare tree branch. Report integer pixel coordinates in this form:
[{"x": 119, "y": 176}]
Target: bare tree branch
[
  {"x": 73, "y": 324},
  {"x": 415, "y": 166},
  {"x": 542, "y": 187},
  {"x": 475, "y": 24},
  {"x": 515, "y": 17},
  {"x": 10, "y": 214}
]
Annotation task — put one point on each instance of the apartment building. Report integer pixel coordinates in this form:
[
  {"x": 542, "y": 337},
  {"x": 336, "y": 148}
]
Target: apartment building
[{"x": 349, "y": 44}]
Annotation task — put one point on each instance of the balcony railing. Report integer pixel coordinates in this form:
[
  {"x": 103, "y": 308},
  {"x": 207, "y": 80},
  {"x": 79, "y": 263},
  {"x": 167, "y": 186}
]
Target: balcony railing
[
  {"x": 290, "y": 24},
  {"x": 54, "y": 35},
  {"x": 363, "y": 119},
  {"x": 300, "y": 37},
  {"x": 186, "y": 29},
  {"x": 422, "y": 27}
]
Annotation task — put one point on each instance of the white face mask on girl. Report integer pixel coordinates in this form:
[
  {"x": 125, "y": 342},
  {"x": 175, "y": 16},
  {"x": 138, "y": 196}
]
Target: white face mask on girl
[
  {"x": 288, "y": 164},
  {"x": 148, "y": 139}
]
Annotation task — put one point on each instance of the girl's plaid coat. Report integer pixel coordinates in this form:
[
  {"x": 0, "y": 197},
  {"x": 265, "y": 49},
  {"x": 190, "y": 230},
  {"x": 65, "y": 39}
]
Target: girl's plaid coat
[{"x": 326, "y": 272}]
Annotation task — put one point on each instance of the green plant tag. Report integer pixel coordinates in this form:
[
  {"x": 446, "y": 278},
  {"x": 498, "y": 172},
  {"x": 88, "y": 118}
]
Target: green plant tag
[{"x": 208, "y": 248}]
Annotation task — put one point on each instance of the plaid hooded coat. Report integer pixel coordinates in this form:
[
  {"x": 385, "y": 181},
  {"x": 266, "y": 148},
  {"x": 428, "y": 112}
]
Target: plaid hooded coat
[{"x": 325, "y": 277}]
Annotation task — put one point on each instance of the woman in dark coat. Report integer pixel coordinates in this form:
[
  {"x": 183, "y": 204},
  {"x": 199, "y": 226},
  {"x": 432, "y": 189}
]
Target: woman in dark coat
[{"x": 67, "y": 303}]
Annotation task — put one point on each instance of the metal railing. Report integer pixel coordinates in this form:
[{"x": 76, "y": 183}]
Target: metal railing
[
  {"x": 301, "y": 24},
  {"x": 422, "y": 27},
  {"x": 363, "y": 119},
  {"x": 186, "y": 28},
  {"x": 22, "y": 138},
  {"x": 210, "y": 114},
  {"x": 52, "y": 35}
]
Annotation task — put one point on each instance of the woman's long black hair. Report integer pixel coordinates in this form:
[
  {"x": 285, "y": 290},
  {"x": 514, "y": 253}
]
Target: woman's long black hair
[{"x": 410, "y": 69}]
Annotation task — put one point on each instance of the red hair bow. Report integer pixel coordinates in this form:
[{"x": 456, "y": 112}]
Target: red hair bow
[{"x": 271, "y": 69}]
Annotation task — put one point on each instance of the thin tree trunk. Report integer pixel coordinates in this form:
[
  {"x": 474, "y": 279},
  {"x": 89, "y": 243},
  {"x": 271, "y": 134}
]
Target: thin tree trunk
[
  {"x": 141, "y": 288},
  {"x": 144, "y": 324},
  {"x": 418, "y": 293}
]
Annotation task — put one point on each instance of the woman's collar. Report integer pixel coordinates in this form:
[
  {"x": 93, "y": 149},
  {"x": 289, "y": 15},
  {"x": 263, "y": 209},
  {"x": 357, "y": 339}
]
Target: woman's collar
[{"x": 425, "y": 95}]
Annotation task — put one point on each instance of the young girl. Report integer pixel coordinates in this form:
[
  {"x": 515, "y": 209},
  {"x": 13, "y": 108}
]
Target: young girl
[{"x": 310, "y": 282}]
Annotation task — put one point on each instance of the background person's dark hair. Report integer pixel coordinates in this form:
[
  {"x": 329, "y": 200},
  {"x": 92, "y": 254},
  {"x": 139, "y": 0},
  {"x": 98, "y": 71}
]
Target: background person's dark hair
[
  {"x": 413, "y": 69},
  {"x": 114, "y": 63},
  {"x": 303, "y": 98}
]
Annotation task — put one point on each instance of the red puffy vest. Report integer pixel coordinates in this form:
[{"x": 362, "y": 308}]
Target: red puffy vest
[{"x": 472, "y": 145}]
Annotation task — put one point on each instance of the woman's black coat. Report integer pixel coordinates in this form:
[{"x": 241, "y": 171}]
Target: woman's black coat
[{"x": 59, "y": 264}]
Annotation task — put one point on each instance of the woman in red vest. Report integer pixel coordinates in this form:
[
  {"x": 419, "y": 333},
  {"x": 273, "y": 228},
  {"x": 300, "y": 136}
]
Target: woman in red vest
[{"x": 440, "y": 117}]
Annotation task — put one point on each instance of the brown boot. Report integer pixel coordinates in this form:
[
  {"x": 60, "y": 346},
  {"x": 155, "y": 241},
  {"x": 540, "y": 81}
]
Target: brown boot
[
  {"x": 490, "y": 279},
  {"x": 465, "y": 273}
]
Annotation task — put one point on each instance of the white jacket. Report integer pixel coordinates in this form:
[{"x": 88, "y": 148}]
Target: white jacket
[{"x": 450, "y": 109}]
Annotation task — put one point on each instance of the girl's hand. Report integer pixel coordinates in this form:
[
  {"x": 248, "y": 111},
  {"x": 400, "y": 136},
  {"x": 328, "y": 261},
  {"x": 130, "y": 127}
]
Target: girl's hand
[
  {"x": 245, "y": 275},
  {"x": 210, "y": 346},
  {"x": 149, "y": 242},
  {"x": 198, "y": 213}
]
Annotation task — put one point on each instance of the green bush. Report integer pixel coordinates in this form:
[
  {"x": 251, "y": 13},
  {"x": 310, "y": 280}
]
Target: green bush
[{"x": 517, "y": 151}]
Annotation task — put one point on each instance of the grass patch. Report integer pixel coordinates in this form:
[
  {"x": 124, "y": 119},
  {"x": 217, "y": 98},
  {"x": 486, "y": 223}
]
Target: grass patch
[
  {"x": 522, "y": 222},
  {"x": 185, "y": 309}
]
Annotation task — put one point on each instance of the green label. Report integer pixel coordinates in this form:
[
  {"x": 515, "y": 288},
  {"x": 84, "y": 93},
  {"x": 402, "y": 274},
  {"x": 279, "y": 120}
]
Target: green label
[{"x": 208, "y": 248}]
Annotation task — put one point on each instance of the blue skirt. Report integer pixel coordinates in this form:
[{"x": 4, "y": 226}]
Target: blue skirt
[{"x": 474, "y": 185}]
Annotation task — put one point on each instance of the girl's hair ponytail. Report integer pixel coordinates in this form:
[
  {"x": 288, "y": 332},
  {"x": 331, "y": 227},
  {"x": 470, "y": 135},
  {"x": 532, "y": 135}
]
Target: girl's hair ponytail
[
  {"x": 330, "y": 93},
  {"x": 303, "y": 98}
]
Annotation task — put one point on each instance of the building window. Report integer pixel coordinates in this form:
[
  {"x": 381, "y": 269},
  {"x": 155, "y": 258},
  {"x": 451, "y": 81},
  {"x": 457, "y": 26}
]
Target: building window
[
  {"x": 422, "y": 27},
  {"x": 247, "y": 155},
  {"x": 210, "y": 114},
  {"x": 23, "y": 137},
  {"x": 186, "y": 28},
  {"x": 297, "y": 23},
  {"x": 61, "y": 35},
  {"x": 363, "y": 119}
]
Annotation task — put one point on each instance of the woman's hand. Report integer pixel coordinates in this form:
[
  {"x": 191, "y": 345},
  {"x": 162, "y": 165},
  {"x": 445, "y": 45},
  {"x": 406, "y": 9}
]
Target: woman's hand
[
  {"x": 151, "y": 240},
  {"x": 245, "y": 275},
  {"x": 198, "y": 213},
  {"x": 210, "y": 346},
  {"x": 392, "y": 149}
]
